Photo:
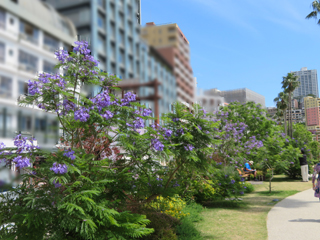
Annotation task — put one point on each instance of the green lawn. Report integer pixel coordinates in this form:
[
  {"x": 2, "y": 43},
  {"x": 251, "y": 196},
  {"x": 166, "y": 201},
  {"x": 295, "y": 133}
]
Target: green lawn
[{"x": 247, "y": 220}]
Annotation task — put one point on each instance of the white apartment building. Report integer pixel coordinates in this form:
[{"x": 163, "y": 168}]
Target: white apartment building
[{"x": 30, "y": 32}]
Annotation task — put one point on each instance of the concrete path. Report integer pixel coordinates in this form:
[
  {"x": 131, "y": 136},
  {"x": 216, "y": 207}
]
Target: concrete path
[{"x": 296, "y": 217}]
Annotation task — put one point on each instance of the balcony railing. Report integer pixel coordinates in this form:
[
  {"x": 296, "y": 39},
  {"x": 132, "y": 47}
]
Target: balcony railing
[
  {"x": 29, "y": 38},
  {"x": 27, "y": 68}
]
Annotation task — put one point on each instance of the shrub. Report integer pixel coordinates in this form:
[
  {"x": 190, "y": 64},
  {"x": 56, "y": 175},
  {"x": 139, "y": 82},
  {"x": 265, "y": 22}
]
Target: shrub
[
  {"x": 172, "y": 206},
  {"x": 248, "y": 187},
  {"x": 163, "y": 224},
  {"x": 204, "y": 190}
]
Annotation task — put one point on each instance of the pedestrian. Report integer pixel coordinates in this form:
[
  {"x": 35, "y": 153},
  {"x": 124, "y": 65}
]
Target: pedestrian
[
  {"x": 316, "y": 187},
  {"x": 304, "y": 166},
  {"x": 247, "y": 169}
]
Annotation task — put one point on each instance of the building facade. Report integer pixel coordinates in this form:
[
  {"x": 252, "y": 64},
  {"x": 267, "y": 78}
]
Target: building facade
[
  {"x": 29, "y": 35},
  {"x": 311, "y": 106},
  {"x": 308, "y": 83},
  {"x": 242, "y": 95},
  {"x": 113, "y": 29},
  {"x": 210, "y": 102},
  {"x": 173, "y": 45}
]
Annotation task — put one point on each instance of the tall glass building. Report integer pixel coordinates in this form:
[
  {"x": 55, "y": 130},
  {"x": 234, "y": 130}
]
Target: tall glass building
[
  {"x": 308, "y": 83},
  {"x": 112, "y": 27}
]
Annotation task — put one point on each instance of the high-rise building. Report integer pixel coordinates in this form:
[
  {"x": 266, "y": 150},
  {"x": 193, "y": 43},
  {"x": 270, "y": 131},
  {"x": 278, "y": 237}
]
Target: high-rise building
[
  {"x": 311, "y": 107},
  {"x": 308, "y": 83},
  {"x": 242, "y": 95},
  {"x": 29, "y": 35},
  {"x": 173, "y": 45},
  {"x": 113, "y": 29}
]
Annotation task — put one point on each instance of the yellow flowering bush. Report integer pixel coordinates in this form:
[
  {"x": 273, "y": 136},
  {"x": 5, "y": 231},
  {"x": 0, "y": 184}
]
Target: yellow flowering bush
[{"x": 170, "y": 205}]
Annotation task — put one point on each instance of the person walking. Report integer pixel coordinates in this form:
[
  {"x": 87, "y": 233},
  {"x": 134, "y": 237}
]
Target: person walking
[
  {"x": 304, "y": 166},
  {"x": 316, "y": 186}
]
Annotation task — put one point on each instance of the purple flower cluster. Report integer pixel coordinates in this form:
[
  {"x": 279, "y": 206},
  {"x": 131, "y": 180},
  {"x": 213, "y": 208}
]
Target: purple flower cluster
[
  {"x": 21, "y": 162},
  {"x": 157, "y": 144},
  {"x": 82, "y": 114},
  {"x": 59, "y": 168},
  {"x": 69, "y": 154},
  {"x": 38, "y": 86},
  {"x": 233, "y": 181},
  {"x": 189, "y": 147},
  {"x": 138, "y": 123},
  {"x": 24, "y": 144},
  {"x": 128, "y": 97},
  {"x": 168, "y": 132},
  {"x": 175, "y": 119},
  {"x": 146, "y": 112},
  {"x": 102, "y": 100},
  {"x": 107, "y": 115},
  {"x": 56, "y": 184},
  {"x": 62, "y": 55}
]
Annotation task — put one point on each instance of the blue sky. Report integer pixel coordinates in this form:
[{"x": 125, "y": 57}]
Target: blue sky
[{"x": 247, "y": 43}]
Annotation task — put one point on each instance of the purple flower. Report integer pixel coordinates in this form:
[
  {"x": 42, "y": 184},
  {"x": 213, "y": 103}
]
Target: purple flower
[
  {"x": 168, "y": 132},
  {"x": 62, "y": 55},
  {"x": 82, "y": 114},
  {"x": 59, "y": 168},
  {"x": 21, "y": 162},
  {"x": 241, "y": 192},
  {"x": 291, "y": 162},
  {"x": 157, "y": 144},
  {"x": 56, "y": 184},
  {"x": 70, "y": 154},
  {"x": 146, "y": 112},
  {"x": 200, "y": 127},
  {"x": 128, "y": 97},
  {"x": 242, "y": 179},
  {"x": 233, "y": 181},
  {"x": 138, "y": 123},
  {"x": 175, "y": 119},
  {"x": 219, "y": 184},
  {"x": 189, "y": 147},
  {"x": 107, "y": 115},
  {"x": 180, "y": 131}
]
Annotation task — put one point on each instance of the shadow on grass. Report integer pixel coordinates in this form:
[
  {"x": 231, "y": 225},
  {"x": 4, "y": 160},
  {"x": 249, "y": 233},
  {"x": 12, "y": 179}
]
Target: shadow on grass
[
  {"x": 277, "y": 193},
  {"x": 225, "y": 204}
]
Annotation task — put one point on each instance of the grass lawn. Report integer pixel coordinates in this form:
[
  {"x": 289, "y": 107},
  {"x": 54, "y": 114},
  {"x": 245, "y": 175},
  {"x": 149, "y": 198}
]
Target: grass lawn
[{"x": 247, "y": 220}]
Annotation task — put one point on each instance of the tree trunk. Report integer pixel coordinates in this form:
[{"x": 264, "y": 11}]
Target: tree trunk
[
  {"x": 270, "y": 180},
  {"x": 285, "y": 120},
  {"x": 291, "y": 129}
]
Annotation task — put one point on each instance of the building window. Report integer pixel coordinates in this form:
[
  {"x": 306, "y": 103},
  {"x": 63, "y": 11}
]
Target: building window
[
  {"x": 27, "y": 62},
  {"x": 113, "y": 30},
  {"x": 100, "y": 22},
  {"x": 48, "y": 67},
  {"x": 40, "y": 124},
  {"x": 101, "y": 43},
  {"x": 137, "y": 68},
  {"x": 130, "y": 45},
  {"x": 171, "y": 29},
  {"x": 25, "y": 122},
  {"x": 113, "y": 49},
  {"x": 129, "y": 11},
  {"x": 121, "y": 20},
  {"x": 130, "y": 64},
  {"x": 11, "y": 21},
  {"x": 50, "y": 43},
  {"x": 121, "y": 37},
  {"x": 121, "y": 57},
  {"x": 2, "y": 52},
  {"x": 5, "y": 86},
  {"x": 28, "y": 32},
  {"x": 112, "y": 12},
  {"x": 113, "y": 69},
  {"x": 2, "y": 19},
  {"x": 23, "y": 88}
]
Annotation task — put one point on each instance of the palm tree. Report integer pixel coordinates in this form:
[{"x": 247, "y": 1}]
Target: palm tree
[
  {"x": 311, "y": 95},
  {"x": 282, "y": 106},
  {"x": 289, "y": 84},
  {"x": 316, "y": 9}
]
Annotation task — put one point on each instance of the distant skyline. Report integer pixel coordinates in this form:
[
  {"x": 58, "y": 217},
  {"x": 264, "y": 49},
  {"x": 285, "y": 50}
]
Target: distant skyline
[{"x": 248, "y": 44}]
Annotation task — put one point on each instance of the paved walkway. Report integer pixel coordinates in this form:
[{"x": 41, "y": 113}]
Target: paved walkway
[{"x": 296, "y": 217}]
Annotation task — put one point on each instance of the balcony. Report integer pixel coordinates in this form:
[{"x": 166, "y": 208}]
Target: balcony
[
  {"x": 29, "y": 38},
  {"x": 27, "y": 68}
]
